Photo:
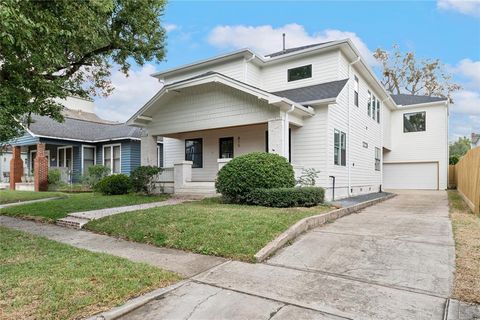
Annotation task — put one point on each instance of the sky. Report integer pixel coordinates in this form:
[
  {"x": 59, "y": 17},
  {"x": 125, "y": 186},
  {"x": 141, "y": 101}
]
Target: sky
[{"x": 445, "y": 29}]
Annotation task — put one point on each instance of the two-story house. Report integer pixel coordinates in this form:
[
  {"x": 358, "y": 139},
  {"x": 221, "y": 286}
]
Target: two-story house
[{"x": 320, "y": 106}]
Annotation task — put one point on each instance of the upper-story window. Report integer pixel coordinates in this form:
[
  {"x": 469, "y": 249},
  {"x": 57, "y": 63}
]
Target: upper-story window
[
  {"x": 369, "y": 103},
  {"x": 355, "y": 91},
  {"x": 299, "y": 73},
  {"x": 378, "y": 110},
  {"x": 414, "y": 122},
  {"x": 374, "y": 107}
]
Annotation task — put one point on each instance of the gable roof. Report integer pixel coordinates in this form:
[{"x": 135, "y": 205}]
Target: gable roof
[
  {"x": 82, "y": 130},
  {"x": 322, "y": 91},
  {"x": 408, "y": 99},
  {"x": 290, "y": 50}
]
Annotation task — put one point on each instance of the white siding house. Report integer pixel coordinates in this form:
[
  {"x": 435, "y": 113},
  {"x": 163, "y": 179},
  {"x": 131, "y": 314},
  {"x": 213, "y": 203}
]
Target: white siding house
[{"x": 320, "y": 106}]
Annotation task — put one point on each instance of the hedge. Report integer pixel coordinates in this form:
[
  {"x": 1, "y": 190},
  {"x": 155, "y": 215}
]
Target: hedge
[
  {"x": 251, "y": 171},
  {"x": 287, "y": 197},
  {"x": 114, "y": 184}
]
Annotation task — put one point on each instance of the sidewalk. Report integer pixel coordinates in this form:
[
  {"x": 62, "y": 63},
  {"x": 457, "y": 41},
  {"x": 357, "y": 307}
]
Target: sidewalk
[{"x": 185, "y": 263}]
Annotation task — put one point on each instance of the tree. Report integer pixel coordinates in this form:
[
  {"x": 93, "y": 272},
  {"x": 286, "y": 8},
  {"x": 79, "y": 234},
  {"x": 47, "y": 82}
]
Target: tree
[
  {"x": 403, "y": 73},
  {"x": 53, "y": 49},
  {"x": 460, "y": 147}
]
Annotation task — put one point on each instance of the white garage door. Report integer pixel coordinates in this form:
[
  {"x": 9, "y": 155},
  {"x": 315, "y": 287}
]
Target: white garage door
[{"x": 410, "y": 175}]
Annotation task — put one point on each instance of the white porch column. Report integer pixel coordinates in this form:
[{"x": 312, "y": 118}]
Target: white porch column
[
  {"x": 148, "y": 150},
  {"x": 277, "y": 132},
  {"x": 182, "y": 173}
]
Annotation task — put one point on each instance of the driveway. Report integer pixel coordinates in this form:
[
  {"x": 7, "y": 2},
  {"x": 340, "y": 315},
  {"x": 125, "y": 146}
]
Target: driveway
[{"x": 394, "y": 260}]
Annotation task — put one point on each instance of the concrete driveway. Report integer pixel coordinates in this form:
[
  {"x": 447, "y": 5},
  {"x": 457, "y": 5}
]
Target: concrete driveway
[{"x": 394, "y": 260}]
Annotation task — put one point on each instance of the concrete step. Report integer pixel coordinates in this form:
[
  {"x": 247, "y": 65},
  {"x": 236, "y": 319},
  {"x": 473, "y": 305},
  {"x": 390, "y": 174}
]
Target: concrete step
[{"x": 72, "y": 222}]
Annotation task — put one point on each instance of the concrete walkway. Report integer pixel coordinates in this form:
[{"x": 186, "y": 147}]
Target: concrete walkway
[
  {"x": 185, "y": 263},
  {"x": 78, "y": 219},
  {"x": 394, "y": 260},
  {"x": 19, "y": 203}
]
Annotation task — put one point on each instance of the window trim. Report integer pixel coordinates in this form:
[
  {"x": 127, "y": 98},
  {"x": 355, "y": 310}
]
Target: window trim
[
  {"x": 425, "y": 117},
  {"x": 307, "y": 65},
  {"x": 341, "y": 148},
  {"x": 111, "y": 154},
  {"x": 220, "y": 146},
  {"x": 185, "y": 150},
  {"x": 378, "y": 110},
  {"x": 369, "y": 103},
  {"x": 64, "y": 156},
  {"x": 378, "y": 160},
  {"x": 158, "y": 155},
  {"x": 83, "y": 154},
  {"x": 356, "y": 89}
]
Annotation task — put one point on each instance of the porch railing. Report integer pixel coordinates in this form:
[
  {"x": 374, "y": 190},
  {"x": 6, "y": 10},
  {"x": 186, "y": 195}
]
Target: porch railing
[{"x": 166, "y": 175}]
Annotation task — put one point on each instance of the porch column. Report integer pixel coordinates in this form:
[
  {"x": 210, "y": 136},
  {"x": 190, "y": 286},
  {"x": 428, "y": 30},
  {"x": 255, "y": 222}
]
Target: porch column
[
  {"x": 277, "y": 135},
  {"x": 182, "y": 173},
  {"x": 16, "y": 167},
  {"x": 40, "y": 167},
  {"x": 148, "y": 150}
]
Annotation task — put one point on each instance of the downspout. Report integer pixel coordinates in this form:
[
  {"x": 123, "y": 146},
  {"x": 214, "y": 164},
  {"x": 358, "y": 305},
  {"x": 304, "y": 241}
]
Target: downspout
[
  {"x": 349, "y": 164},
  {"x": 286, "y": 137}
]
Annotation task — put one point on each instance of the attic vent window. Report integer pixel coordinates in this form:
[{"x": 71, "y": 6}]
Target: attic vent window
[{"x": 299, "y": 73}]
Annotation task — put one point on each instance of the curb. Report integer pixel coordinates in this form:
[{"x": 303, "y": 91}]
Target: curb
[
  {"x": 135, "y": 303},
  {"x": 312, "y": 222}
]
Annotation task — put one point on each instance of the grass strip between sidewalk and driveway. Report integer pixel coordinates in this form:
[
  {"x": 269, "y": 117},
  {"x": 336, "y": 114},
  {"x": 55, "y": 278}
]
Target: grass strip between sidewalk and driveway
[
  {"x": 44, "y": 279},
  {"x": 50, "y": 211},
  {"x": 208, "y": 226},
  {"x": 7, "y": 196},
  {"x": 466, "y": 229}
]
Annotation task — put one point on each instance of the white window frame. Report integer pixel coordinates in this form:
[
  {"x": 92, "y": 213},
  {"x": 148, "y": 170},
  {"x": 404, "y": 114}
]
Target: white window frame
[
  {"x": 341, "y": 144},
  {"x": 374, "y": 107},
  {"x": 94, "y": 155},
  {"x": 356, "y": 90},
  {"x": 64, "y": 156},
  {"x": 111, "y": 155},
  {"x": 369, "y": 103},
  {"x": 30, "y": 160},
  {"x": 379, "y": 159}
]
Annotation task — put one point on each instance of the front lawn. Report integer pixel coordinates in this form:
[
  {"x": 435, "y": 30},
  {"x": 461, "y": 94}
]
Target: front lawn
[
  {"x": 50, "y": 211},
  {"x": 7, "y": 196},
  {"x": 44, "y": 279},
  {"x": 466, "y": 229},
  {"x": 207, "y": 226}
]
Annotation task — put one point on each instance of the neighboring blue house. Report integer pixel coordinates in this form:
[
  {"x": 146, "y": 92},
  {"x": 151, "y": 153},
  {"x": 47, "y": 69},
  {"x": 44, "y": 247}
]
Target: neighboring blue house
[{"x": 82, "y": 140}]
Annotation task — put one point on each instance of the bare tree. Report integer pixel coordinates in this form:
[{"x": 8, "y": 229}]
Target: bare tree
[{"x": 403, "y": 73}]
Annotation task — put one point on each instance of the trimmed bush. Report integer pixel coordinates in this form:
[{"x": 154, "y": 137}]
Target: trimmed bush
[
  {"x": 114, "y": 184},
  {"x": 95, "y": 174},
  {"x": 286, "y": 197},
  {"x": 54, "y": 177},
  {"x": 252, "y": 171},
  {"x": 143, "y": 178}
]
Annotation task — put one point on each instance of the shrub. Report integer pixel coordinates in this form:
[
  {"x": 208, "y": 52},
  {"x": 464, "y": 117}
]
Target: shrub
[
  {"x": 454, "y": 159},
  {"x": 286, "y": 197},
  {"x": 114, "y": 184},
  {"x": 143, "y": 178},
  {"x": 95, "y": 174},
  {"x": 308, "y": 178},
  {"x": 251, "y": 171},
  {"x": 54, "y": 177}
]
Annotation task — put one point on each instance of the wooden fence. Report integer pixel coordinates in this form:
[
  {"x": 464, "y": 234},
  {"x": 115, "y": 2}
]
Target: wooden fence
[{"x": 466, "y": 175}]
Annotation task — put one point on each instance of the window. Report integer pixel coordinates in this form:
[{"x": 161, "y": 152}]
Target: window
[
  {"x": 340, "y": 148},
  {"x": 64, "y": 156},
  {"x": 160, "y": 155},
  {"x": 374, "y": 107},
  {"x": 112, "y": 158},
  {"x": 88, "y": 154},
  {"x": 369, "y": 103},
  {"x": 226, "y": 148},
  {"x": 355, "y": 91},
  {"x": 414, "y": 122},
  {"x": 378, "y": 111},
  {"x": 299, "y": 73},
  {"x": 377, "y": 159},
  {"x": 194, "y": 152}
]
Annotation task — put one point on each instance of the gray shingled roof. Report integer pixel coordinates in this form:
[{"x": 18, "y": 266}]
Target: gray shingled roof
[
  {"x": 286, "y": 51},
  {"x": 82, "y": 130},
  {"x": 312, "y": 93},
  {"x": 408, "y": 99}
]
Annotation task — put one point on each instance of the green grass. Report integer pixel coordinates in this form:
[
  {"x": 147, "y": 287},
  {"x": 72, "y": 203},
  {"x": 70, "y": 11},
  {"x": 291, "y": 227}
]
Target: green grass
[
  {"x": 207, "y": 226},
  {"x": 7, "y": 196},
  {"x": 49, "y": 211},
  {"x": 44, "y": 279}
]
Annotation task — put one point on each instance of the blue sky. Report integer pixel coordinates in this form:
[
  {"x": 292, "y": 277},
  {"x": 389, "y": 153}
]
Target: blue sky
[{"x": 444, "y": 29}]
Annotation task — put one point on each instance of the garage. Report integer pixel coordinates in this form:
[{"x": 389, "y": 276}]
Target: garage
[{"x": 410, "y": 175}]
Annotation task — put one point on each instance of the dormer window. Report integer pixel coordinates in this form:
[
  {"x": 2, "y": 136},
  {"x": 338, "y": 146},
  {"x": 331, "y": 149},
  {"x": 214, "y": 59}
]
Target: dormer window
[{"x": 300, "y": 73}]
